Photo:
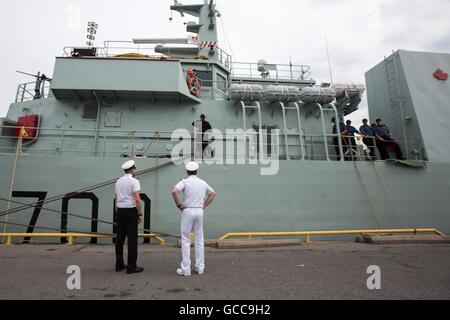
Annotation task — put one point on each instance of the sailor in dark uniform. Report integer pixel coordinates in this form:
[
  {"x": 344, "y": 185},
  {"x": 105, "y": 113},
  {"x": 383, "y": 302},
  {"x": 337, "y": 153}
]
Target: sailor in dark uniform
[
  {"x": 369, "y": 138},
  {"x": 385, "y": 140},
  {"x": 350, "y": 140},
  {"x": 336, "y": 140},
  {"x": 205, "y": 128}
]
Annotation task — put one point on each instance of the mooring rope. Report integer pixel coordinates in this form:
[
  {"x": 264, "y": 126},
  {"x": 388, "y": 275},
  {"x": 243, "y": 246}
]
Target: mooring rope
[
  {"x": 40, "y": 204},
  {"x": 87, "y": 189},
  {"x": 162, "y": 234}
]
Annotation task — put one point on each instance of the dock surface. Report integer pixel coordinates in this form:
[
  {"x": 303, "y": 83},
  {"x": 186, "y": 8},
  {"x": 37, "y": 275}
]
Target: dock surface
[{"x": 335, "y": 270}]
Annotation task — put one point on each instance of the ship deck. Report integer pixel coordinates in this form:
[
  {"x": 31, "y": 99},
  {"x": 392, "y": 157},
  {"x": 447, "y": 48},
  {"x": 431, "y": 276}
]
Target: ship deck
[{"x": 334, "y": 270}]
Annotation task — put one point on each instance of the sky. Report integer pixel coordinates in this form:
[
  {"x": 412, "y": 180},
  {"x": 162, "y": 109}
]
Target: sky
[{"x": 360, "y": 33}]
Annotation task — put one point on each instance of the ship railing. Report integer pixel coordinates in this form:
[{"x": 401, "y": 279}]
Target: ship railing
[
  {"x": 114, "y": 48},
  {"x": 159, "y": 144},
  {"x": 224, "y": 58},
  {"x": 352, "y": 149},
  {"x": 106, "y": 143},
  {"x": 141, "y": 143},
  {"x": 215, "y": 89},
  {"x": 271, "y": 71},
  {"x": 27, "y": 91}
]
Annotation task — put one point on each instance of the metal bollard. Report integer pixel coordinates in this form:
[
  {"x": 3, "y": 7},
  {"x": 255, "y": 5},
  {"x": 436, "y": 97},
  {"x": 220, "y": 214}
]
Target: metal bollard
[
  {"x": 71, "y": 241},
  {"x": 308, "y": 238}
]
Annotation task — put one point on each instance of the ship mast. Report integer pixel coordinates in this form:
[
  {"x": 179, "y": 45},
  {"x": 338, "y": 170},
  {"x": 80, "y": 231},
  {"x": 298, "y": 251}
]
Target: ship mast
[{"x": 206, "y": 28}]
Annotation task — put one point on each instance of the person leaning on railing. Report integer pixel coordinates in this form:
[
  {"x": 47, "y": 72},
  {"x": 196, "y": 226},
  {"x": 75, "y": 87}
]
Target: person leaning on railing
[
  {"x": 369, "y": 137},
  {"x": 385, "y": 140},
  {"x": 351, "y": 142}
]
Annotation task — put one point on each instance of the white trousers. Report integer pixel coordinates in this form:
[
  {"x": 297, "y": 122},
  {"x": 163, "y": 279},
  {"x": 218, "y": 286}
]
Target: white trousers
[{"x": 192, "y": 221}]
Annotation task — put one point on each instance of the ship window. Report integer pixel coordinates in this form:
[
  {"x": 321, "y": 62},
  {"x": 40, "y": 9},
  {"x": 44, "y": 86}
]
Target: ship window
[
  {"x": 90, "y": 111},
  {"x": 221, "y": 83},
  {"x": 206, "y": 77}
]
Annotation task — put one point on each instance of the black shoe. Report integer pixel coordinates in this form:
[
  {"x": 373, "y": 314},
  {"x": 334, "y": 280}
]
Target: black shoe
[
  {"x": 120, "y": 269},
  {"x": 135, "y": 270}
]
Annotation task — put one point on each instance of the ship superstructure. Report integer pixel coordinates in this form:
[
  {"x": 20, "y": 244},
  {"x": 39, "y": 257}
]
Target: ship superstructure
[{"x": 126, "y": 99}]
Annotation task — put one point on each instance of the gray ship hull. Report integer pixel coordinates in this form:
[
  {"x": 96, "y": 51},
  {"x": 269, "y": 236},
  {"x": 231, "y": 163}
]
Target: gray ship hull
[{"x": 304, "y": 196}]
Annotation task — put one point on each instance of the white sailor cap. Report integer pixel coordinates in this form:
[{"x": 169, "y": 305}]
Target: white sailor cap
[
  {"x": 192, "y": 167},
  {"x": 128, "y": 165}
]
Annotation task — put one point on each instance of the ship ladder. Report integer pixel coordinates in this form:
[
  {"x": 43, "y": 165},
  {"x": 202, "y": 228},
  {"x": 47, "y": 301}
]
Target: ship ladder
[{"x": 396, "y": 98}]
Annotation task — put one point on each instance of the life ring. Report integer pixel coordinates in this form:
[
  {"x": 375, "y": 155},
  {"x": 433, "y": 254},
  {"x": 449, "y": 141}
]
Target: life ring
[{"x": 195, "y": 86}]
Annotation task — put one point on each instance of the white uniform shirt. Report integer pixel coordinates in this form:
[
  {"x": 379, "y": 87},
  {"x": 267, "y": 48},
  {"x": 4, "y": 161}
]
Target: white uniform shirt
[
  {"x": 125, "y": 189},
  {"x": 194, "y": 190}
]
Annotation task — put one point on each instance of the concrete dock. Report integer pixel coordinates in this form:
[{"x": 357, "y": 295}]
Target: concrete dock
[{"x": 334, "y": 270}]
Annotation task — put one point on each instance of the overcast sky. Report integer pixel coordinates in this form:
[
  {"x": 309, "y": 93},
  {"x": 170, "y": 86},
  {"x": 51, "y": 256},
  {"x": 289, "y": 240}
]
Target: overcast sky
[{"x": 360, "y": 33}]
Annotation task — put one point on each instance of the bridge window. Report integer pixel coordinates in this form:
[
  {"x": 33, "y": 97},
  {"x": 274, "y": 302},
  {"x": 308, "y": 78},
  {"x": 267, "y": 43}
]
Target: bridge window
[
  {"x": 221, "y": 83},
  {"x": 206, "y": 77}
]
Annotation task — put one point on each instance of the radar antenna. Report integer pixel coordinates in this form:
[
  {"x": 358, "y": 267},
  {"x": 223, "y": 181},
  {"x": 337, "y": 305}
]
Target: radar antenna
[
  {"x": 263, "y": 68},
  {"x": 329, "y": 61},
  {"x": 92, "y": 31}
]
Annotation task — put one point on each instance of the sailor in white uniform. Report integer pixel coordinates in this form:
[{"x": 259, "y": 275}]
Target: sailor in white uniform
[
  {"x": 129, "y": 216},
  {"x": 195, "y": 191}
]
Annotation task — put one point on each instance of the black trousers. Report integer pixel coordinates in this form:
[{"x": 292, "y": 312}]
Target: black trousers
[
  {"x": 381, "y": 145},
  {"x": 205, "y": 146},
  {"x": 127, "y": 227},
  {"x": 397, "y": 148},
  {"x": 384, "y": 145},
  {"x": 336, "y": 148}
]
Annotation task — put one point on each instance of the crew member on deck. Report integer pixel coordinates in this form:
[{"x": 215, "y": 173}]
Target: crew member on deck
[
  {"x": 129, "y": 216},
  {"x": 205, "y": 127},
  {"x": 336, "y": 140},
  {"x": 350, "y": 140},
  {"x": 385, "y": 140},
  {"x": 369, "y": 137},
  {"x": 195, "y": 191}
]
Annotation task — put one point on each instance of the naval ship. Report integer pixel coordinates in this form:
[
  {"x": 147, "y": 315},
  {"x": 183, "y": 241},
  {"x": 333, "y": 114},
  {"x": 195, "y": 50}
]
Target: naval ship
[{"x": 65, "y": 137}]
